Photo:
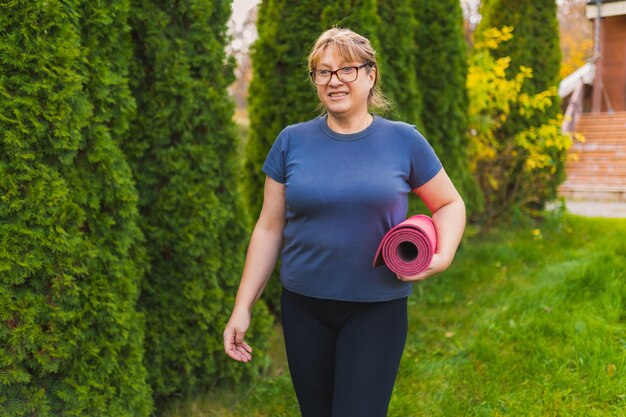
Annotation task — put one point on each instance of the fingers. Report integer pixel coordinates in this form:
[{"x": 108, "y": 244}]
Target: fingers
[
  {"x": 243, "y": 354},
  {"x": 419, "y": 277},
  {"x": 238, "y": 338},
  {"x": 435, "y": 267},
  {"x": 237, "y": 351}
]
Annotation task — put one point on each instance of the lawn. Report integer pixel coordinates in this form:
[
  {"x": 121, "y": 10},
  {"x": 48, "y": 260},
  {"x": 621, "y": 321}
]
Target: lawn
[{"x": 529, "y": 321}]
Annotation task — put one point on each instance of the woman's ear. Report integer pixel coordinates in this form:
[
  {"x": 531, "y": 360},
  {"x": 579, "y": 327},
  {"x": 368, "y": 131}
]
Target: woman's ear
[{"x": 372, "y": 74}]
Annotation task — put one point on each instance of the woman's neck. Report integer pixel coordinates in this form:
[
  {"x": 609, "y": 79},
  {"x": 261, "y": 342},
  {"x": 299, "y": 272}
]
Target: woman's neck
[{"x": 347, "y": 125}]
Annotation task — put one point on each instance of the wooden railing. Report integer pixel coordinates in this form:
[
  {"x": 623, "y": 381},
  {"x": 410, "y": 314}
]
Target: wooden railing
[{"x": 574, "y": 108}]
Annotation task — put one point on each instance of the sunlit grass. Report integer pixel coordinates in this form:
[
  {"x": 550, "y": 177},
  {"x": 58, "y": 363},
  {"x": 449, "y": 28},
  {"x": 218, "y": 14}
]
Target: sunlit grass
[{"x": 527, "y": 322}]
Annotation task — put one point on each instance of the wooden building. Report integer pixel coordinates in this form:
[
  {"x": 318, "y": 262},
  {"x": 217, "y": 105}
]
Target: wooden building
[{"x": 595, "y": 100}]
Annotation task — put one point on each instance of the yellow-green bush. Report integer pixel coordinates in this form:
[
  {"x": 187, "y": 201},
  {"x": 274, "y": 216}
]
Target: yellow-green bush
[{"x": 515, "y": 171}]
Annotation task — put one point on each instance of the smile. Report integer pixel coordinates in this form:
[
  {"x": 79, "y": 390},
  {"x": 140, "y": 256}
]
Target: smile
[{"x": 339, "y": 94}]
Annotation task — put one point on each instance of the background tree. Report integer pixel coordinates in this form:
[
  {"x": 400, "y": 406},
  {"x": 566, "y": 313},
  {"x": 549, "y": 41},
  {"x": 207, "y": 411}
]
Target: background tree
[
  {"x": 576, "y": 36},
  {"x": 514, "y": 171},
  {"x": 397, "y": 44},
  {"x": 182, "y": 151},
  {"x": 535, "y": 42},
  {"x": 441, "y": 55},
  {"x": 71, "y": 253},
  {"x": 535, "y": 45}
]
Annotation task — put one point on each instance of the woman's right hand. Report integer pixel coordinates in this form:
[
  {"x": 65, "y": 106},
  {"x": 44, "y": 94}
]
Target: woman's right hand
[{"x": 234, "y": 345}]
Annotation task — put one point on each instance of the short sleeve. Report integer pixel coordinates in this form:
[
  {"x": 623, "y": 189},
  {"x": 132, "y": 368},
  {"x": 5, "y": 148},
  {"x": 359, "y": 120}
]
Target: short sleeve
[
  {"x": 274, "y": 164},
  {"x": 424, "y": 162}
]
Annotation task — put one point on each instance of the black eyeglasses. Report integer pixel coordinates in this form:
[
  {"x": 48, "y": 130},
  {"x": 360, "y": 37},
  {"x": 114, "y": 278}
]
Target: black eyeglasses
[{"x": 345, "y": 74}]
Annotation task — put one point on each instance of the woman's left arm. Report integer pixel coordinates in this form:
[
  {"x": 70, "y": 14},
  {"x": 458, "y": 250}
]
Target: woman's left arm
[{"x": 448, "y": 214}]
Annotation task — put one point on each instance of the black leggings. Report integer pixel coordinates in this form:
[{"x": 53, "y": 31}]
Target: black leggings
[{"x": 343, "y": 356}]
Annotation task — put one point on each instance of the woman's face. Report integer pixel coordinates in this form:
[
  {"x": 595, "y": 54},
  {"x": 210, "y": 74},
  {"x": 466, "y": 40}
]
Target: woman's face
[{"x": 344, "y": 99}]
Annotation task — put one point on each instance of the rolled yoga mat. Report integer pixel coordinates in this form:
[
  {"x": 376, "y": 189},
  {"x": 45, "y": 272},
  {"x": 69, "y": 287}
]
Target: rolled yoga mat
[{"x": 408, "y": 247}]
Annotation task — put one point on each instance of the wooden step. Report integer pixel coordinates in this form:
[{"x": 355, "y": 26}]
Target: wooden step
[
  {"x": 602, "y": 140},
  {"x": 601, "y": 154},
  {"x": 583, "y": 175},
  {"x": 608, "y": 124},
  {"x": 596, "y": 178},
  {"x": 599, "y": 171},
  {"x": 610, "y": 127},
  {"x": 606, "y": 127},
  {"x": 600, "y": 181},
  {"x": 582, "y": 161},
  {"x": 602, "y": 132},
  {"x": 603, "y": 116},
  {"x": 601, "y": 136},
  {"x": 592, "y": 120},
  {"x": 593, "y": 187},
  {"x": 578, "y": 165},
  {"x": 596, "y": 145},
  {"x": 593, "y": 192}
]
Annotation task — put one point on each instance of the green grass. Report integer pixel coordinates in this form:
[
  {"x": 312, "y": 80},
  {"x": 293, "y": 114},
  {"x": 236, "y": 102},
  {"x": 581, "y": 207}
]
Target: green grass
[{"x": 527, "y": 322}]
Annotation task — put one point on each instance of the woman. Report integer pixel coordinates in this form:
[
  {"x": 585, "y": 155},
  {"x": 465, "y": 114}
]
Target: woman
[{"x": 334, "y": 186}]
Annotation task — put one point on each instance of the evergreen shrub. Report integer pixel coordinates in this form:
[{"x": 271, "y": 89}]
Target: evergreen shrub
[
  {"x": 70, "y": 248},
  {"x": 441, "y": 55},
  {"x": 182, "y": 150}
]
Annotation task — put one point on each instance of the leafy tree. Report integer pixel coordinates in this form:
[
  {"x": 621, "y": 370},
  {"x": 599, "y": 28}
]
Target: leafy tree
[
  {"x": 441, "y": 55},
  {"x": 514, "y": 171},
  {"x": 576, "y": 36},
  {"x": 70, "y": 252},
  {"x": 535, "y": 42},
  {"x": 535, "y": 45},
  {"x": 182, "y": 151}
]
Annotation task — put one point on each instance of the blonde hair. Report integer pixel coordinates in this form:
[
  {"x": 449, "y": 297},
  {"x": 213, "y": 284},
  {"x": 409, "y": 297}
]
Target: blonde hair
[{"x": 352, "y": 47}]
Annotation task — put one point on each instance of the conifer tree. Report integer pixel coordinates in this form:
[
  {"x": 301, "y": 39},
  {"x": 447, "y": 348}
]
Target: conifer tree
[
  {"x": 441, "y": 73},
  {"x": 70, "y": 251},
  {"x": 397, "y": 48},
  {"x": 182, "y": 150}
]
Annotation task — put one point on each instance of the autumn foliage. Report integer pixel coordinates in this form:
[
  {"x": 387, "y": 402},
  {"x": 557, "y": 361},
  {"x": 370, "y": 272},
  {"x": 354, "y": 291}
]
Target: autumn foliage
[{"x": 516, "y": 172}]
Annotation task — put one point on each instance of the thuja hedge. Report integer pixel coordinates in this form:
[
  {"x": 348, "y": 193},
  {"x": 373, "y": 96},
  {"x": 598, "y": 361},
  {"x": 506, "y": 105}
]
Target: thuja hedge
[
  {"x": 72, "y": 253},
  {"x": 397, "y": 46},
  {"x": 441, "y": 55},
  {"x": 182, "y": 151},
  {"x": 70, "y": 247}
]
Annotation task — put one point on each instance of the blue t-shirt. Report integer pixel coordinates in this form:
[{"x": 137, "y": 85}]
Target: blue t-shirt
[{"x": 343, "y": 193}]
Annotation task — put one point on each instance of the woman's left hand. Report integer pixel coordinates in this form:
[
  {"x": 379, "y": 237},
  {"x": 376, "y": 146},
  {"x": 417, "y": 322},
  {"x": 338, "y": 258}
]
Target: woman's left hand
[{"x": 438, "y": 264}]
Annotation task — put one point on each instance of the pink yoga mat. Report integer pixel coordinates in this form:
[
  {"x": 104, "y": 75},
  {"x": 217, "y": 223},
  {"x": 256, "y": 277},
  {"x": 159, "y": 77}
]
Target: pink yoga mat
[{"x": 408, "y": 247}]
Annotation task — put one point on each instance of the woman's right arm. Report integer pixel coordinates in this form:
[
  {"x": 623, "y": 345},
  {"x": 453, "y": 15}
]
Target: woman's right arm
[{"x": 261, "y": 259}]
